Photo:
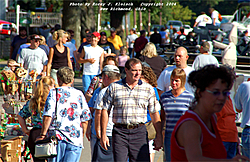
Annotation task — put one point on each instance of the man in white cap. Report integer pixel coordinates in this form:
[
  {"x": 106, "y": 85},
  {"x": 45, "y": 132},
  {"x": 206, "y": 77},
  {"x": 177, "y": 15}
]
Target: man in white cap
[{"x": 33, "y": 57}]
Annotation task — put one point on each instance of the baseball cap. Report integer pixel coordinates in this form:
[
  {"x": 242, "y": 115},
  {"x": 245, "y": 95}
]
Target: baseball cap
[
  {"x": 205, "y": 46},
  {"x": 96, "y": 34},
  {"x": 103, "y": 33},
  {"x": 111, "y": 68},
  {"x": 34, "y": 36},
  {"x": 112, "y": 29}
]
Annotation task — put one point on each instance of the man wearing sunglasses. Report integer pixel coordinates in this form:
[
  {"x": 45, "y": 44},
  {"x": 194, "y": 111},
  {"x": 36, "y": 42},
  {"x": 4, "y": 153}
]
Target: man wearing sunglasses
[{"x": 33, "y": 57}]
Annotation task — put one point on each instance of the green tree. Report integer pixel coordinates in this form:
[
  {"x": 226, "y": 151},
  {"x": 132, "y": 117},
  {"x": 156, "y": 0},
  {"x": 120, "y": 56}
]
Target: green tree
[{"x": 181, "y": 13}]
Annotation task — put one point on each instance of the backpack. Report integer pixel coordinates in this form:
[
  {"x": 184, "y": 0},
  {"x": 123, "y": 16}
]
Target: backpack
[{"x": 219, "y": 16}]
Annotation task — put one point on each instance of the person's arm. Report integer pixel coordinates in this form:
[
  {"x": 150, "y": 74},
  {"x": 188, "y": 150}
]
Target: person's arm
[
  {"x": 213, "y": 21},
  {"x": 51, "y": 54},
  {"x": 45, "y": 127},
  {"x": 158, "y": 141},
  {"x": 195, "y": 24},
  {"x": 98, "y": 123},
  {"x": 88, "y": 131},
  {"x": 101, "y": 60},
  {"x": 76, "y": 56},
  {"x": 104, "y": 122},
  {"x": 23, "y": 125},
  {"x": 84, "y": 127},
  {"x": 82, "y": 60},
  {"x": 11, "y": 51},
  {"x": 68, "y": 58}
]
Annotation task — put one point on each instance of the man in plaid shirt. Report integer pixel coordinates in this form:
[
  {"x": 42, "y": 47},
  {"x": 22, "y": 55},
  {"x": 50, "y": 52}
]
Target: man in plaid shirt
[{"x": 130, "y": 98}]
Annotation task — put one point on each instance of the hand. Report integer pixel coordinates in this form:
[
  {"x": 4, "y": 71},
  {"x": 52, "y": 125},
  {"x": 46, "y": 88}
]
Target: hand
[
  {"x": 105, "y": 142},
  {"x": 92, "y": 60},
  {"x": 158, "y": 142},
  {"x": 240, "y": 158},
  {"x": 42, "y": 74},
  {"x": 40, "y": 138},
  {"x": 88, "y": 133},
  {"x": 27, "y": 132},
  {"x": 77, "y": 66}
]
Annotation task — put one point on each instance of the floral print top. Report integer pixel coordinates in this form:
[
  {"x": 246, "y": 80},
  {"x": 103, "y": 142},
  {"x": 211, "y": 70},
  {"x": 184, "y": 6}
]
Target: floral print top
[
  {"x": 72, "y": 110},
  {"x": 36, "y": 118}
]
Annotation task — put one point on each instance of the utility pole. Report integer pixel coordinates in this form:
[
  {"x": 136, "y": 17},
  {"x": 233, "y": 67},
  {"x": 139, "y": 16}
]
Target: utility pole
[
  {"x": 160, "y": 13},
  {"x": 140, "y": 17},
  {"x": 126, "y": 23},
  {"x": 149, "y": 19},
  {"x": 99, "y": 17},
  {"x": 135, "y": 26}
]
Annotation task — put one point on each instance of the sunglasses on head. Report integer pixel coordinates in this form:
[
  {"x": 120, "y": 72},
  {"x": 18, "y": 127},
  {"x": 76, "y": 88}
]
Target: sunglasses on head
[
  {"x": 36, "y": 40},
  {"x": 217, "y": 93}
]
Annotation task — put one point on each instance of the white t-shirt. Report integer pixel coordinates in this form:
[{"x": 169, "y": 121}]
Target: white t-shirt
[
  {"x": 163, "y": 81},
  {"x": 215, "y": 14},
  {"x": 131, "y": 38},
  {"x": 203, "y": 60},
  {"x": 203, "y": 19},
  {"x": 33, "y": 59},
  {"x": 92, "y": 52}
]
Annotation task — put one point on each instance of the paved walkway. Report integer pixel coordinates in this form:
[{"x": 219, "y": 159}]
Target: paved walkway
[{"x": 86, "y": 153}]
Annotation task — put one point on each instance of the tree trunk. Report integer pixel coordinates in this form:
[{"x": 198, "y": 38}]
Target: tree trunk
[
  {"x": 87, "y": 18},
  {"x": 71, "y": 20},
  {"x": 116, "y": 22}
]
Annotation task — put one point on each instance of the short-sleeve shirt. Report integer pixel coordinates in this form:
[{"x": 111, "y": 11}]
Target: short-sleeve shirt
[
  {"x": 203, "y": 60},
  {"x": 203, "y": 20},
  {"x": 72, "y": 48},
  {"x": 215, "y": 15},
  {"x": 36, "y": 118},
  {"x": 175, "y": 107},
  {"x": 16, "y": 43},
  {"x": 116, "y": 41},
  {"x": 110, "y": 123},
  {"x": 130, "y": 105},
  {"x": 72, "y": 110},
  {"x": 163, "y": 81},
  {"x": 33, "y": 59},
  {"x": 21, "y": 47},
  {"x": 92, "y": 52},
  {"x": 107, "y": 46},
  {"x": 242, "y": 102},
  {"x": 131, "y": 38}
]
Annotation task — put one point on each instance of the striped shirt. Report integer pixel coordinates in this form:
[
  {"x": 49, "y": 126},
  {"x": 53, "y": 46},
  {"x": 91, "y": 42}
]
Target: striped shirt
[
  {"x": 130, "y": 105},
  {"x": 175, "y": 107}
]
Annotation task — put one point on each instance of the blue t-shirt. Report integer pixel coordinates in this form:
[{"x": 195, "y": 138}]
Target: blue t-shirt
[
  {"x": 175, "y": 107},
  {"x": 21, "y": 47},
  {"x": 242, "y": 102},
  {"x": 91, "y": 103},
  {"x": 72, "y": 48}
]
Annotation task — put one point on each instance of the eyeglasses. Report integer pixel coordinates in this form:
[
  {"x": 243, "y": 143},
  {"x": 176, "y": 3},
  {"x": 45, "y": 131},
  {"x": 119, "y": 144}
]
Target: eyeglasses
[{"x": 217, "y": 93}]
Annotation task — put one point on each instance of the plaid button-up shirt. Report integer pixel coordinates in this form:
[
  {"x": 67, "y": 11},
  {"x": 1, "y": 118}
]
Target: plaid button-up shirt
[{"x": 130, "y": 105}]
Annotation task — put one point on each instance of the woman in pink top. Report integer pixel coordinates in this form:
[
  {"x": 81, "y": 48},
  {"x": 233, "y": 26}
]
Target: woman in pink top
[{"x": 122, "y": 59}]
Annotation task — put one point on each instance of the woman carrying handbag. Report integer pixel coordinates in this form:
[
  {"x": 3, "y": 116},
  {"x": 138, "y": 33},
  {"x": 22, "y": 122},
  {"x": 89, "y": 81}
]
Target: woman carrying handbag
[
  {"x": 71, "y": 118},
  {"x": 34, "y": 109}
]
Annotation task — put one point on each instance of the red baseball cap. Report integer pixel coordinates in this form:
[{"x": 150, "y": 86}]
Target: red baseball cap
[{"x": 96, "y": 34}]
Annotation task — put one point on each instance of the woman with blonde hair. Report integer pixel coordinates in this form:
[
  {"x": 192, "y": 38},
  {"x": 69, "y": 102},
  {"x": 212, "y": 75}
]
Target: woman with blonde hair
[
  {"x": 43, "y": 45},
  {"x": 34, "y": 109},
  {"x": 150, "y": 56},
  {"x": 59, "y": 55}
]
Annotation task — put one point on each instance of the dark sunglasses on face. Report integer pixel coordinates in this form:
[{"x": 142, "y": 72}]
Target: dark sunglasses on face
[{"x": 217, "y": 93}]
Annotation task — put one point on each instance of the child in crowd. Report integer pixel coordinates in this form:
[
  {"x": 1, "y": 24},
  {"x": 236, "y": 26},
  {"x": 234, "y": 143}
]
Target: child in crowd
[
  {"x": 8, "y": 74},
  {"x": 122, "y": 59}
]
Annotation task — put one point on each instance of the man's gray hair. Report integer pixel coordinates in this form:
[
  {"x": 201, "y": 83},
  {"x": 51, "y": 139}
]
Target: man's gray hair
[
  {"x": 112, "y": 75},
  {"x": 65, "y": 74}
]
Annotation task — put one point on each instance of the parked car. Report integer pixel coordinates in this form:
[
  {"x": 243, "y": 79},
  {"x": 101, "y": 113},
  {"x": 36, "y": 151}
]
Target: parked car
[
  {"x": 187, "y": 29},
  {"x": 5, "y": 27},
  {"x": 175, "y": 23}
]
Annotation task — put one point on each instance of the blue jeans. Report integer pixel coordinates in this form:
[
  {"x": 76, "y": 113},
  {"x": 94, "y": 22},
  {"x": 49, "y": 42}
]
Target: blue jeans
[
  {"x": 245, "y": 138},
  {"x": 167, "y": 150},
  {"x": 93, "y": 140},
  {"x": 86, "y": 80},
  {"x": 67, "y": 152},
  {"x": 231, "y": 148}
]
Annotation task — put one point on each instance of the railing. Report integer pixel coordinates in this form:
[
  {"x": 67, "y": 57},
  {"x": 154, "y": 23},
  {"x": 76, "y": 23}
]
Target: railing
[{"x": 38, "y": 18}]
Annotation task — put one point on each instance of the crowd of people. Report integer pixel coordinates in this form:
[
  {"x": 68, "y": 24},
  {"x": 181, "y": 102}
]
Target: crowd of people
[{"x": 127, "y": 90}]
